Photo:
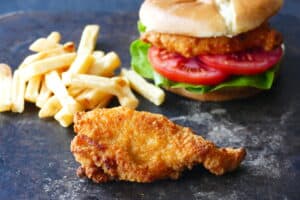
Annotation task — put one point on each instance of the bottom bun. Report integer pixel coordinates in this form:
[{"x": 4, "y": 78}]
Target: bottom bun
[{"x": 219, "y": 95}]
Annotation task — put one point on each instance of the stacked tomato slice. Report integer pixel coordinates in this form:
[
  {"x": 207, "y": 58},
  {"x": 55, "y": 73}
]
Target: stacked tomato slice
[{"x": 211, "y": 69}]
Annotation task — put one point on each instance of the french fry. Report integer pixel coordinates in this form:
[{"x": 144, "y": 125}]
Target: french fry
[
  {"x": 30, "y": 59},
  {"x": 106, "y": 65},
  {"x": 81, "y": 64},
  {"x": 117, "y": 86},
  {"x": 33, "y": 88},
  {"x": 90, "y": 98},
  {"x": 44, "y": 95},
  {"x": 147, "y": 90},
  {"x": 64, "y": 117},
  {"x": 50, "y": 108},
  {"x": 88, "y": 39},
  {"x": 75, "y": 91},
  {"x": 54, "y": 37},
  {"x": 69, "y": 105},
  {"x": 18, "y": 92},
  {"x": 48, "y": 64},
  {"x": 104, "y": 101},
  {"x": 5, "y": 87},
  {"x": 87, "y": 44},
  {"x": 98, "y": 54},
  {"x": 68, "y": 47},
  {"x": 124, "y": 93},
  {"x": 55, "y": 84},
  {"x": 43, "y": 44},
  {"x": 62, "y": 81}
]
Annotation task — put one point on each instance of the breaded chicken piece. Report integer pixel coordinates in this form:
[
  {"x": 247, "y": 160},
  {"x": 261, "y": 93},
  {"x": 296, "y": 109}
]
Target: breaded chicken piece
[
  {"x": 123, "y": 144},
  {"x": 262, "y": 37}
]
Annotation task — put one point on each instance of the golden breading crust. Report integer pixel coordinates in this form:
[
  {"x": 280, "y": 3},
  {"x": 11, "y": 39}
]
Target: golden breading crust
[
  {"x": 263, "y": 37},
  {"x": 123, "y": 144}
]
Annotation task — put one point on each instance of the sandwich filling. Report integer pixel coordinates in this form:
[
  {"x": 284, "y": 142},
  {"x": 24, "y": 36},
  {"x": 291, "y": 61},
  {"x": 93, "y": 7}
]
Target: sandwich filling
[
  {"x": 202, "y": 65},
  {"x": 263, "y": 37}
]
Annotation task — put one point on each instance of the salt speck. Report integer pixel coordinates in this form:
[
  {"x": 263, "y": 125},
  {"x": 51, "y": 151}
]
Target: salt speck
[
  {"x": 239, "y": 128},
  {"x": 260, "y": 159},
  {"x": 214, "y": 195},
  {"x": 264, "y": 164},
  {"x": 50, "y": 164},
  {"x": 285, "y": 117},
  {"x": 218, "y": 111}
]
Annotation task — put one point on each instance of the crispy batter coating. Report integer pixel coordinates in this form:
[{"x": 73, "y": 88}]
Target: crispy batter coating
[
  {"x": 123, "y": 144},
  {"x": 263, "y": 37}
]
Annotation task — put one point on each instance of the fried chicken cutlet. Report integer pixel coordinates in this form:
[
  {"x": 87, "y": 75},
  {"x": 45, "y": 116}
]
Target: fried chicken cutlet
[
  {"x": 262, "y": 37},
  {"x": 124, "y": 144}
]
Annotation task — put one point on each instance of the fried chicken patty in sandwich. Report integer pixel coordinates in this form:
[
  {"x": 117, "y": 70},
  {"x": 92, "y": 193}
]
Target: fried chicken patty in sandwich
[{"x": 208, "y": 50}]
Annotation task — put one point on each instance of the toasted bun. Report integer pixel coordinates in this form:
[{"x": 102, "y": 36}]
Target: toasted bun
[
  {"x": 219, "y": 95},
  {"x": 206, "y": 18}
]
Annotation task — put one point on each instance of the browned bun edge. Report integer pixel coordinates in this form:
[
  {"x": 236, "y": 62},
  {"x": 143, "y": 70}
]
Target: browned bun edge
[{"x": 225, "y": 94}]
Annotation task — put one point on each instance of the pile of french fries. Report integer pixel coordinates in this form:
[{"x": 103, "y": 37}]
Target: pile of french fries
[{"x": 62, "y": 81}]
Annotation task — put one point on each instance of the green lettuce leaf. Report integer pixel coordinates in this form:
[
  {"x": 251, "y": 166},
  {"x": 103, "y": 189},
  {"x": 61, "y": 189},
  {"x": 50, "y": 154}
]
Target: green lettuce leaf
[
  {"x": 140, "y": 64},
  {"x": 139, "y": 58},
  {"x": 141, "y": 27}
]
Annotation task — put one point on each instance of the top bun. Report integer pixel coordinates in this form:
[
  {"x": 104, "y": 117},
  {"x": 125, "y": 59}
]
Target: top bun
[{"x": 206, "y": 18}]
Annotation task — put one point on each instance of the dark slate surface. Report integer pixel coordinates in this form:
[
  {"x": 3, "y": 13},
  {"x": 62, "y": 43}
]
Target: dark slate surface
[{"x": 35, "y": 161}]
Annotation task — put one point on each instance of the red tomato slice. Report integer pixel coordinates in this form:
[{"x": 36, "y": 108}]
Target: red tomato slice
[
  {"x": 244, "y": 63},
  {"x": 180, "y": 69}
]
